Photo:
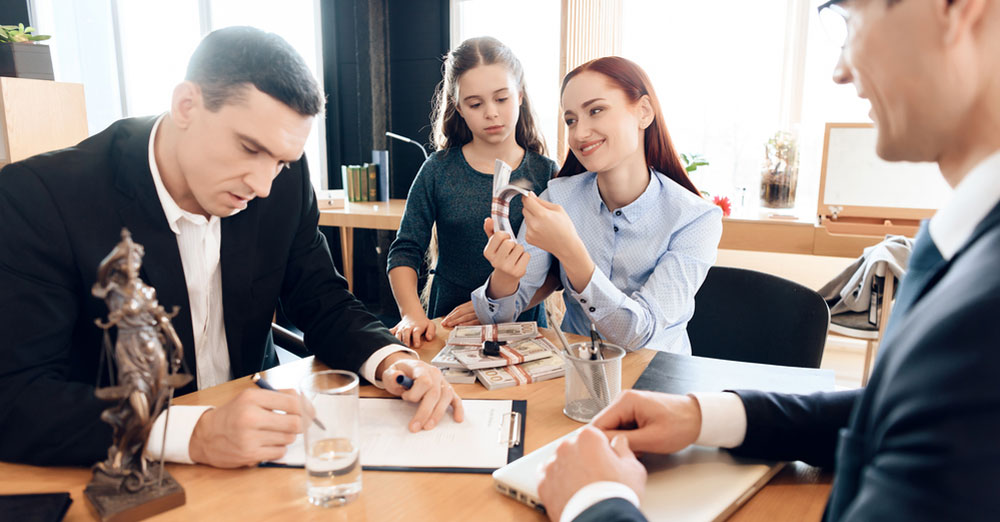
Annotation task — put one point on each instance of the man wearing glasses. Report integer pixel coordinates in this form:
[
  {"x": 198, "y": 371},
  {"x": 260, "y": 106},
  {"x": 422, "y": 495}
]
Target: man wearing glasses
[{"x": 922, "y": 441}]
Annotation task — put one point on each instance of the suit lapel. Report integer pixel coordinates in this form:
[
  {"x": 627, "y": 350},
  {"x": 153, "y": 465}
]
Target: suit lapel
[
  {"x": 852, "y": 456},
  {"x": 141, "y": 212},
  {"x": 236, "y": 260}
]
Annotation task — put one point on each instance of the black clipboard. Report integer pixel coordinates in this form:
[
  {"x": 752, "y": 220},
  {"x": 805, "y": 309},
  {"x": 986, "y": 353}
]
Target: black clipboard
[{"x": 514, "y": 440}]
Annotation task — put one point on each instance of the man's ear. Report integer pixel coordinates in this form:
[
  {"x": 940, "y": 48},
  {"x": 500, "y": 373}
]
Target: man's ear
[
  {"x": 646, "y": 114},
  {"x": 962, "y": 16},
  {"x": 185, "y": 103}
]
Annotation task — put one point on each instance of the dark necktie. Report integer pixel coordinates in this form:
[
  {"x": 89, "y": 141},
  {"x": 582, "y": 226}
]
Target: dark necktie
[{"x": 925, "y": 262}]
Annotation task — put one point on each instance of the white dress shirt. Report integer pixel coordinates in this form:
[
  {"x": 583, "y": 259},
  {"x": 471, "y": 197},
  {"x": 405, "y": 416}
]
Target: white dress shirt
[
  {"x": 199, "y": 240},
  {"x": 723, "y": 416}
]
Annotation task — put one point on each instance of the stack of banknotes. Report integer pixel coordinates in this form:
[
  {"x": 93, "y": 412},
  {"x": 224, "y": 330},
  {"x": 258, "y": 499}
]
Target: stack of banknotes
[{"x": 525, "y": 358}]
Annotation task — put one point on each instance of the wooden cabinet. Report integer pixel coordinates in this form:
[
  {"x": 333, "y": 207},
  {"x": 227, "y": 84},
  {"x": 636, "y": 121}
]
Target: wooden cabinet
[{"x": 38, "y": 116}]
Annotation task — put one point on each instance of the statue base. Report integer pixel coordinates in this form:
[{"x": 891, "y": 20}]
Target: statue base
[{"x": 111, "y": 501}]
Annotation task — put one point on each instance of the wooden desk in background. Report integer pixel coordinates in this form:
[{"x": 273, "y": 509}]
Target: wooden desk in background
[
  {"x": 379, "y": 215},
  {"x": 790, "y": 236},
  {"x": 799, "y": 492}
]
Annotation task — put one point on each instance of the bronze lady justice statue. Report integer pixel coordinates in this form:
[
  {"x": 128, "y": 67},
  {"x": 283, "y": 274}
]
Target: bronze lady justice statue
[{"x": 148, "y": 355}]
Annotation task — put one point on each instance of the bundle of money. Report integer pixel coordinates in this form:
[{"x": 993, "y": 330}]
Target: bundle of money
[
  {"x": 458, "y": 375},
  {"x": 503, "y": 192},
  {"x": 510, "y": 332},
  {"x": 510, "y": 354},
  {"x": 525, "y": 373},
  {"x": 445, "y": 358}
]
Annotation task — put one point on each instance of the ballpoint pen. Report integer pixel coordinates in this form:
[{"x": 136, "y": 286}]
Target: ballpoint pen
[
  {"x": 595, "y": 344},
  {"x": 261, "y": 383},
  {"x": 404, "y": 381},
  {"x": 592, "y": 389}
]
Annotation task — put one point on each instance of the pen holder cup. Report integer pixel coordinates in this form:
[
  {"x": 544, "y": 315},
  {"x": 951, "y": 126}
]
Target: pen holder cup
[{"x": 591, "y": 385}]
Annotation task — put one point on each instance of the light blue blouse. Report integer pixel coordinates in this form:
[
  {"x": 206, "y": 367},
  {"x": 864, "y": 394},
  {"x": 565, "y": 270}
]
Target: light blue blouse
[{"x": 650, "y": 258}]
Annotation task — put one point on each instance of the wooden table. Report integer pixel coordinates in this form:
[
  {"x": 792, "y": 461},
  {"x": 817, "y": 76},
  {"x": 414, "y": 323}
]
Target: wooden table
[
  {"x": 799, "y": 492},
  {"x": 757, "y": 233},
  {"x": 379, "y": 215}
]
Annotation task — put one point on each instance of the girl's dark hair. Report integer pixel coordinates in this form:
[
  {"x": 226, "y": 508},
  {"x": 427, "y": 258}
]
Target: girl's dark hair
[
  {"x": 660, "y": 151},
  {"x": 449, "y": 129}
]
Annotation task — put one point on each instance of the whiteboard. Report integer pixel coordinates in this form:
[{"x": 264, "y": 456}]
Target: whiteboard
[{"x": 856, "y": 176}]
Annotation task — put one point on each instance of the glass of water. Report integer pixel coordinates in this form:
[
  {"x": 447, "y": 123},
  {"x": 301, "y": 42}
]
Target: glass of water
[{"x": 333, "y": 465}]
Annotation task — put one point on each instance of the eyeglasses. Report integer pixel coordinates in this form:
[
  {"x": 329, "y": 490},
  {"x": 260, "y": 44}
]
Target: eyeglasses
[{"x": 833, "y": 18}]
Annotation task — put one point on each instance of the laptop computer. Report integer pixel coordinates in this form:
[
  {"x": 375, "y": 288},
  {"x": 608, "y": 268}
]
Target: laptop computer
[{"x": 698, "y": 483}]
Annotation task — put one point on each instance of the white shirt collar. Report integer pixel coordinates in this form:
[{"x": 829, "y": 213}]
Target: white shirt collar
[
  {"x": 171, "y": 209},
  {"x": 977, "y": 194}
]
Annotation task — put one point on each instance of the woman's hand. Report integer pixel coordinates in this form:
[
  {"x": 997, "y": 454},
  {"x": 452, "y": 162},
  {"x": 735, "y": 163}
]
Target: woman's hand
[
  {"x": 508, "y": 259},
  {"x": 463, "y": 314},
  {"x": 412, "y": 329},
  {"x": 549, "y": 227}
]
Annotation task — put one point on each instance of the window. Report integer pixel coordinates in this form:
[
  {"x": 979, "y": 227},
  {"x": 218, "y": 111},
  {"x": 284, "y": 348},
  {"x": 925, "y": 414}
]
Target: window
[
  {"x": 717, "y": 70},
  {"x": 534, "y": 39},
  {"x": 129, "y": 55},
  {"x": 729, "y": 74}
]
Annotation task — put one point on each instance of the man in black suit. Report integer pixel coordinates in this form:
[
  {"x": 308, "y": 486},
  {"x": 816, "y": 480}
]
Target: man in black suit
[
  {"x": 219, "y": 194},
  {"x": 922, "y": 441}
]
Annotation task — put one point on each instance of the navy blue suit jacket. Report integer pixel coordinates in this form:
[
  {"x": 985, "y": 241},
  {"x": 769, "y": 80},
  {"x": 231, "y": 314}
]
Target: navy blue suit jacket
[
  {"x": 922, "y": 440},
  {"x": 62, "y": 212}
]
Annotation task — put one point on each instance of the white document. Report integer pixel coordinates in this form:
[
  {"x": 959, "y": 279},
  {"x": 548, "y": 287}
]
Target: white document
[{"x": 477, "y": 442}]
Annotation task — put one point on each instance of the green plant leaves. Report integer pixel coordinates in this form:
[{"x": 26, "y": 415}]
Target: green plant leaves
[{"x": 20, "y": 33}]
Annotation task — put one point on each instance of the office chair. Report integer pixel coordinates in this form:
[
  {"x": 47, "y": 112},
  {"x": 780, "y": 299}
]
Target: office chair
[
  {"x": 289, "y": 340},
  {"x": 749, "y": 316},
  {"x": 869, "y": 325}
]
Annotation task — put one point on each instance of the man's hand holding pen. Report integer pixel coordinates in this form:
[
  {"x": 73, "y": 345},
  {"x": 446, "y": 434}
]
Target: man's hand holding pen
[
  {"x": 260, "y": 422},
  {"x": 428, "y": 388}
]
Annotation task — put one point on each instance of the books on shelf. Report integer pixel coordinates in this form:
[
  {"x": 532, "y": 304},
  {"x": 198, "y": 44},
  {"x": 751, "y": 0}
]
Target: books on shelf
[{"x": 367, "y": 182}]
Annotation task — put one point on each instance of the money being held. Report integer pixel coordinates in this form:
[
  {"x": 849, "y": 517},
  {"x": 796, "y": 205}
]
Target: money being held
[
  {"x": 503, "y": 192},
  {"x": 525, "y": 373}
]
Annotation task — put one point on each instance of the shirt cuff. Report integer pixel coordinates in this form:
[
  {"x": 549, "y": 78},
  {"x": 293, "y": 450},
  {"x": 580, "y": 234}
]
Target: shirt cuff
[
  {"x": 368, "y": 368},
  {"x": 175, "y": 448},
  {"x": 493, "y": 311},
  {"x": 723, "y": 419},
  {"x": 593, "y": 493},
  {"x": 599, "y": 298}
]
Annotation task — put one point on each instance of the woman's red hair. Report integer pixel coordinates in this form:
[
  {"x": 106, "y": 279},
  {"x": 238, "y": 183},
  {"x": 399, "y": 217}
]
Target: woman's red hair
[{"x": 660, "y": 151}]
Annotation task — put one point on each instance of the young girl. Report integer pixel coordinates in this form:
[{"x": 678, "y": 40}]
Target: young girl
[
  {"x": 481, "y": 114},
  {"x": 631, "y": 234}
]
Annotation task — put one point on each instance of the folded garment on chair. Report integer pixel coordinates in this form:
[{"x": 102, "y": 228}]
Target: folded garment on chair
[{"x": 851, "y": 291}]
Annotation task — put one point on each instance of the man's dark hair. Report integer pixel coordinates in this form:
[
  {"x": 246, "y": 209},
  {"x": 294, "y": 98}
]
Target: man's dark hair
[{"x": 229, "y": 60}]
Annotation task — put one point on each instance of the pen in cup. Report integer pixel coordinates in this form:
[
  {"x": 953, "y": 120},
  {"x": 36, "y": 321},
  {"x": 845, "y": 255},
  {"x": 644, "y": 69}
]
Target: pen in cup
[
  {"x": 595, "y": 344},
  {"x": 261, "y": 383}
]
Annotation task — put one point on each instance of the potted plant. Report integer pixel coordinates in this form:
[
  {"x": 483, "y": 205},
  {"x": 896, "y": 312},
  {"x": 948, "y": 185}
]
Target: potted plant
[
  {"x": 779, "y": 173},
  {"x": 20, "y": 56}
]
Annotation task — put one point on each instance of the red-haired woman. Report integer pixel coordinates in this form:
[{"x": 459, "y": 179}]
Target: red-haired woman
[{"x": 632, "y": 235}]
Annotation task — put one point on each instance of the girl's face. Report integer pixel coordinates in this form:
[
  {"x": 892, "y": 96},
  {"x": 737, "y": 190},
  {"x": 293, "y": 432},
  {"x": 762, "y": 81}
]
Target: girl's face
[
  {"x": 489, "y": 101},
  {"x": 604, "y": 128}
]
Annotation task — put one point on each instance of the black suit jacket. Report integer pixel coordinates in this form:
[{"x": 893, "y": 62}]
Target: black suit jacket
[
  {"x": 922, "y": 440},
  {"x": 62, "y": 212}
]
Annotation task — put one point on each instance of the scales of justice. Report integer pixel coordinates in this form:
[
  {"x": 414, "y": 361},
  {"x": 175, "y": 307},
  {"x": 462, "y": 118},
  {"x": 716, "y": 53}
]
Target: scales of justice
[{"x": 148, "y": 356}]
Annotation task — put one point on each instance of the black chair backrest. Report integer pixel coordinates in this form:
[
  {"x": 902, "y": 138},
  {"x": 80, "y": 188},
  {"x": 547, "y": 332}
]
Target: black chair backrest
[{"x": 750, "y": 316}]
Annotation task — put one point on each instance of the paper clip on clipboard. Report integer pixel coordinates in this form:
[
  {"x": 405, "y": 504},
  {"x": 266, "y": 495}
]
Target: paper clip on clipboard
[{"x": 510, "y": 430}]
